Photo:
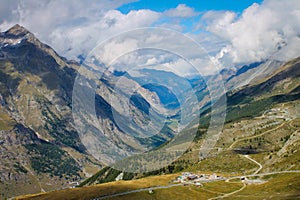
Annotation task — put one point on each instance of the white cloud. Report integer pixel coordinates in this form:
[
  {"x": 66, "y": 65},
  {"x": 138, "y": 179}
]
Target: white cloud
[
  {"x": 84, "y": 37},
  {"x": 42, "y": 14},
  {"x": 116, "y": 50},
  {"x": 262, "y": 31},
  {"x": 181, "y": 10},
  {"x": 201, "y": 66},
  {"x": 155, "y": 48},
  {"x": 73, "y": 27}
]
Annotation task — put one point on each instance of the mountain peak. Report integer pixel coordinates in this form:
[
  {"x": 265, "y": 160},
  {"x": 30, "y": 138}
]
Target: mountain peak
[
  {"x": 17, "y": 35},
  {"x": 17, "y": 30}
]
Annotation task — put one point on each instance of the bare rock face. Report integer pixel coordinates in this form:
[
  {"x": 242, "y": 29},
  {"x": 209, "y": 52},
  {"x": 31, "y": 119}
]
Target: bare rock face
[{"x": 17, "y": 31}]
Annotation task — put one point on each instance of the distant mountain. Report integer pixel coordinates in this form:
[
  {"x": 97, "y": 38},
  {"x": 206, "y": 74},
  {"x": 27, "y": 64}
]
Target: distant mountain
[
  {"x": 157, "y": 81},
  {"x": 245, "y": 68},
  {"x": 163, "y": 83},
  {"x": 252, "y": 73},
  {"x": 278, "y": 87}
]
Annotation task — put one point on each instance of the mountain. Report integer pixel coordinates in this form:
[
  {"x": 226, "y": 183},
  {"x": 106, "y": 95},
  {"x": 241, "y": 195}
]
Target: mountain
[
  {"x": 231, "y": 80},
  {"x": 41, "y": 147},
  {"x": 257, "y": 154},
  {"x": 163, "y": 83},
  {"x": 171, "y": 89},
  {"x": 277, "y": 94}
]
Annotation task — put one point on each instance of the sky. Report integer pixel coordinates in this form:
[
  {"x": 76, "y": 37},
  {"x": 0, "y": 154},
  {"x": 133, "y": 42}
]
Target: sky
[
  {"x": 232, "y": 32},
  {"x": 198, "y": 5}
]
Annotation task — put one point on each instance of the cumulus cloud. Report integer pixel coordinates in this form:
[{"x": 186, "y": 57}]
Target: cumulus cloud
[
  {"x": 181, "y": 67},
  {"x": 72, "y": 30},
  {"x": 181, "y": 10},
  {"x": 84, "y": 37},
  {"x": 155, "y": 48},
  {"x": 261, "y": 32},
  {"x": 43, "y": 14},
  {"x": 73, "y": 27}
]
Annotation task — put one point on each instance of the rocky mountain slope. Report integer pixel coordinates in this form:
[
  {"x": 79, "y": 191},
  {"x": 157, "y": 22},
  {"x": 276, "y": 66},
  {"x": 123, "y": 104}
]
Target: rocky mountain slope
[
  {"x": 40, "y": 148},
  {"x": 40, "y": 145}
]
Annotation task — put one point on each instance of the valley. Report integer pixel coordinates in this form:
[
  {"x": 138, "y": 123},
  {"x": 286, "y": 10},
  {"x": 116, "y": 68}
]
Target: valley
[
  {"x": 232, "y": 157},
  {"x": 119, "y": 99}
]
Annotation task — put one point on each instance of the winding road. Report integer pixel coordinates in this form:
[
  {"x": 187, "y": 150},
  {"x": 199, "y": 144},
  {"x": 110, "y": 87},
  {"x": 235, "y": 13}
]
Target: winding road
[
  {"x": 228, "y": 194},
  {"x": 254, "y": 136},
  {"x": 260, "y": 166},
  {"x": 256, "y": 173}
]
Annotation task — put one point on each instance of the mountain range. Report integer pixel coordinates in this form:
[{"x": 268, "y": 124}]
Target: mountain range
[{"x": 43, "y": 149}]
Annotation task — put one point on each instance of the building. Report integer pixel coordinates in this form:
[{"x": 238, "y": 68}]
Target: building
[
  {"x": 198, "y": 184},
  {"x": 120, "y": 177},
  {"x": 192, "y": 177}
]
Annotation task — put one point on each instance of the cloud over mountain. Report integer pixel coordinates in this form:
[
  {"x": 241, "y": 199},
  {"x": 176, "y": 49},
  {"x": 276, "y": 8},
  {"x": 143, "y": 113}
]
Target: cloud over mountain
[
  {"x": 260, "y": 32},
  {"x": 73, "y": 27}
]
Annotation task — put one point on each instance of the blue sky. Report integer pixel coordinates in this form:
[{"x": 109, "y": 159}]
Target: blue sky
[{"x": 198, "y": 5}]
